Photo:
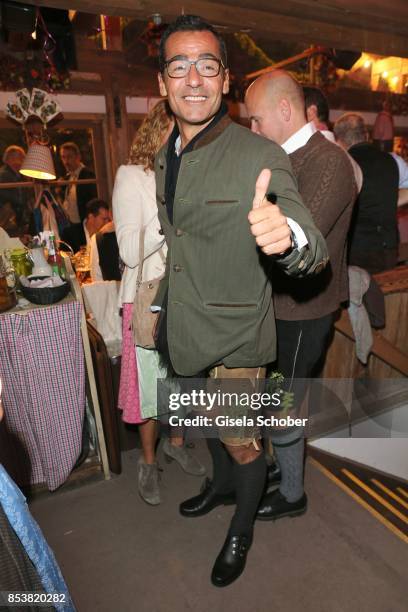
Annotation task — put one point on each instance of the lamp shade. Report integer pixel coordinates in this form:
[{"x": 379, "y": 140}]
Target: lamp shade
[{"x": 38, "y": 163}]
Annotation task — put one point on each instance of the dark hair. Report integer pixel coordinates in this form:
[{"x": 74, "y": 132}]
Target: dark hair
[
  {"x": 93, "y": 206},
  {"x": 189, "y": 23},
  {"x": 314, "y": 95}
]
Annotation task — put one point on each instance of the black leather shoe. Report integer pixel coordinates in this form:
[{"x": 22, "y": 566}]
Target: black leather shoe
[
  {"x": 273, "y": 476},
  {"x": 205, "y": 501},
  {"x": 274, "y": 506},
  {"x": 231, "y": 561}
]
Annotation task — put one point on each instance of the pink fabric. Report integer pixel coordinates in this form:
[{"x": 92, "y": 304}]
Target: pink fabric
[{"x": 129, "y": 401}]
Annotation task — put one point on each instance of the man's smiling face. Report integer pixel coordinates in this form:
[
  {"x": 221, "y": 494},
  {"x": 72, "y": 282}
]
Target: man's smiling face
[{"x": 194, "y": 99}]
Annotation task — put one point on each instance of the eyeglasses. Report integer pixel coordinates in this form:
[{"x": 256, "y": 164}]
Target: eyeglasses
[{"x": 207, "y": 67}]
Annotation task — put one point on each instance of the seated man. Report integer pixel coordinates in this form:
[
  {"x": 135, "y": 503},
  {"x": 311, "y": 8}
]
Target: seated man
[
  {"x": 14, "y": 202},
  {"x": 105, "y": 254},
  {"x": 97, "y": 215}
]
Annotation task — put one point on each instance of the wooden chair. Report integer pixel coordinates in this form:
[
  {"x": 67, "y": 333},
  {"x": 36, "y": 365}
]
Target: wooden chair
[{"x": 107, "y": 399}]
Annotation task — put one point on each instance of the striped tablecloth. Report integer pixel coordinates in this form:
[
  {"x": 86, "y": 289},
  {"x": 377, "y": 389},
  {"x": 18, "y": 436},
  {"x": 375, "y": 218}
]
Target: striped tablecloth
[{"x": 43, "y": 373}]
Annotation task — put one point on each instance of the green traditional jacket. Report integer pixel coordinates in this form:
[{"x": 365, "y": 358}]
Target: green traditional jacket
[{"x": 219, "y": 297}]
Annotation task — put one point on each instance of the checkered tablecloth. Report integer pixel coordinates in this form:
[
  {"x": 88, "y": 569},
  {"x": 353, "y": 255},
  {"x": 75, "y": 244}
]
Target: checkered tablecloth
[{"x": 43, "y": 373}]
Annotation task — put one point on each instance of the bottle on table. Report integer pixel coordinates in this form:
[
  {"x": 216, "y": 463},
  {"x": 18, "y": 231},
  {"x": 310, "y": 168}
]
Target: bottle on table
[
  {"x": 7, "y": 294},
  {"x": 53, "y": 258}
]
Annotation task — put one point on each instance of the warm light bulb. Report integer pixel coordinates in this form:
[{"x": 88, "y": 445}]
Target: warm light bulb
[
  {"x": 38, "y": 174},
  {"x": 385, "y": 74},
  {"x": 395, "y": 79},
  {"x": 367, "y": 64}
]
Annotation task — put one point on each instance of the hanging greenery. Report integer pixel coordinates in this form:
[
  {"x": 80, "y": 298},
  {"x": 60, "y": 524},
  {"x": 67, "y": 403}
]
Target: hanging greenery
[{"x": 248, "y": 44}]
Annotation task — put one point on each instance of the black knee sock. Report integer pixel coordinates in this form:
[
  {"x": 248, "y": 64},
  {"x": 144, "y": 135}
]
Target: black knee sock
[
  {"x": 249, "y": 480},
  {"x": 222, "y": 466}
]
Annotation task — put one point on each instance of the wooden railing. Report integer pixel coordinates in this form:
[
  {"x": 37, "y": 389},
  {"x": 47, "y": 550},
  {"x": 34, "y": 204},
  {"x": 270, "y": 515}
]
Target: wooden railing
[{"x": 389, "y": 352}]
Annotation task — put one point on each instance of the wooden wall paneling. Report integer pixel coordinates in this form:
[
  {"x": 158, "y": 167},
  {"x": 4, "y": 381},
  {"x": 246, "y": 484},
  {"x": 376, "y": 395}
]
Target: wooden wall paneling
[
  {"x": 396, "y": 332},
  {"x": 341, "y": 360},
  {"x": 117, "y": 122},
  {"x": 389, "y": 345}
]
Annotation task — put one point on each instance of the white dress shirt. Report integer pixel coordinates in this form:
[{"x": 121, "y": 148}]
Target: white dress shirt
[
  {"x": 70, "y": 204},
  {"x": 87, "y": 234},
  {"x": 96, "y": 272},
  {"x": 403, "y": 171},
  {"x": 299, "y": 138}
]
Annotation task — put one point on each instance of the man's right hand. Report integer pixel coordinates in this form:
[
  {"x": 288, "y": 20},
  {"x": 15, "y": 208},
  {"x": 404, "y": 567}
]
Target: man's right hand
[
  {"x": 268, "y": 224},
  {"x": 107, "y": 228}
]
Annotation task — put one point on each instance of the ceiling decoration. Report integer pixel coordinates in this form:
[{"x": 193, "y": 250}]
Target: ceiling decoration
[{"x": 370, "y": 25}]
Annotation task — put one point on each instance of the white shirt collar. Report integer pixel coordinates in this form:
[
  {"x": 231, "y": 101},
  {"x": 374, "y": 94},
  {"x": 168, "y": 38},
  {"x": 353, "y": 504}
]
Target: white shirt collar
[
  {"x": 328, "y": 135},
  {"x": 299, "y": 138},
  {"x": 177, "y": 145},
  {"x": 75, "y": 173},
  {"x": 87, "y": 234}
]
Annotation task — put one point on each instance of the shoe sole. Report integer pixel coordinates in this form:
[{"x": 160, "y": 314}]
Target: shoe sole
[
  {"x": 291, "y": 514},
  {"x": 228, "y": 503}
]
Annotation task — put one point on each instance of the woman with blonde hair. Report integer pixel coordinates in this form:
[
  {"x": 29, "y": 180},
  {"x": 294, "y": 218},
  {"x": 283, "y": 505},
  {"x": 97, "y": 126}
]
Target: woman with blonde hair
[{"x": 134, "y": 209}]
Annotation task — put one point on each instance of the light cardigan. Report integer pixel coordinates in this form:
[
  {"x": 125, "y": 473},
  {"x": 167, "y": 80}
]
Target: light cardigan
[{"x": 134, "y": 207}]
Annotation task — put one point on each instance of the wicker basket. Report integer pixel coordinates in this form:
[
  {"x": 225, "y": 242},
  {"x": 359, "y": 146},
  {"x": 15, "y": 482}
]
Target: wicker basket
[{"x": 44, "y": 295}]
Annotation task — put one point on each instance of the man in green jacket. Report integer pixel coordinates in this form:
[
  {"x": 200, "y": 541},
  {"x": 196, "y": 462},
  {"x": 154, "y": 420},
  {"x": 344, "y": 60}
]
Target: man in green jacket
[{"x": 215, "y": 184}]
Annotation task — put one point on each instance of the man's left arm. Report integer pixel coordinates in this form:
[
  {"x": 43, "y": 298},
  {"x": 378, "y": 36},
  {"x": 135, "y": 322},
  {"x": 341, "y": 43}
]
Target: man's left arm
[
  {"x": 85, "y": 193},
  {"x": 92, "y": 188},
  {"x": 273, "y": 234}
]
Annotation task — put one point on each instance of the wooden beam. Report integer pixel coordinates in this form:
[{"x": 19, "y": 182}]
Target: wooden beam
[
  {"x": 395, "y": 9},
  {"x": 286, "y": 62},
  {"x": 266, "y": 23}
]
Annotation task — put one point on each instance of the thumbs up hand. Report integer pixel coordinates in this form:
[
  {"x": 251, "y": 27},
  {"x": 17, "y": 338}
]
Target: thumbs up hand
[{"x": 268, "y": 224}]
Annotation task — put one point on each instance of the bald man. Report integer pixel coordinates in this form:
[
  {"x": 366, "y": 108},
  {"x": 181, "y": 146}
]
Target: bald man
[{"x": 304, "y": 312}]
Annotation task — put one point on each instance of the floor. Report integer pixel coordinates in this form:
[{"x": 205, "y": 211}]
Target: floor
[{"x": 118, "y": 554}]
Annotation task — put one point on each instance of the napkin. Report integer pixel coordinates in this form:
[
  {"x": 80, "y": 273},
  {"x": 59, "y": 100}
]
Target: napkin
[{"x": 41, "y": 283}]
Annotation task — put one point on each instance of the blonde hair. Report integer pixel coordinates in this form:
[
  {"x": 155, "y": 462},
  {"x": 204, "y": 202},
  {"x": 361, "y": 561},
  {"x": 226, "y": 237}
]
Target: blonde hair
[{"x": 149, "y": 137}]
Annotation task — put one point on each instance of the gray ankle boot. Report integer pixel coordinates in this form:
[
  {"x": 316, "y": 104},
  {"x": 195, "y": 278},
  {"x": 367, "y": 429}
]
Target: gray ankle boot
[
  {"x": 186, "y": 461},
  {"x": 148, "y": 482}
]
